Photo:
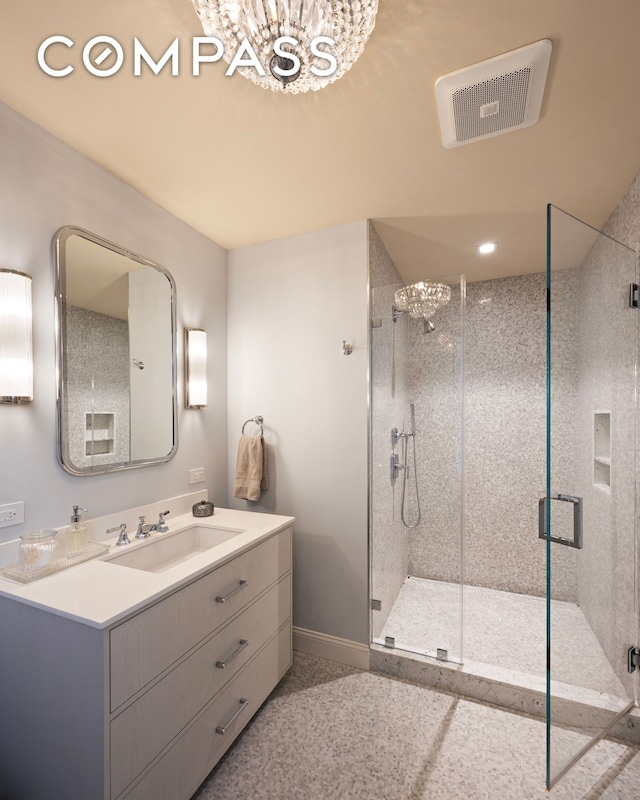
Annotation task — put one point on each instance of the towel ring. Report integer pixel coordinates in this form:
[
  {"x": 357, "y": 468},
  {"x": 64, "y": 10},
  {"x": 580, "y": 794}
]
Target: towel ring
[{"x": 258, "y": 419}]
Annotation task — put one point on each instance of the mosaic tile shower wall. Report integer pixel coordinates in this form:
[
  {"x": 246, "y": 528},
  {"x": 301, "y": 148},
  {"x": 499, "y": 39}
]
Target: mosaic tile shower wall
[
  {"x": 504, "y": 437},
  {"x": 436, "y": 369},
  {"x": 608, "y": 352},
  {"x": 105, "y": 341}
]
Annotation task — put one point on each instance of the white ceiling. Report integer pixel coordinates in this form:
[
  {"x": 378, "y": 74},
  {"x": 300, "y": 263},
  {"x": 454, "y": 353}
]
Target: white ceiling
[{"x": 243, "y": 165}]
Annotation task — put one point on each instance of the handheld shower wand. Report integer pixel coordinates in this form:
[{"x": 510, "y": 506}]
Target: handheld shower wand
[{"x": 404, "y": 436}]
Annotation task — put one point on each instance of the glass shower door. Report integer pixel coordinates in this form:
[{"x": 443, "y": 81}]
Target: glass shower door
[
  {"x": 416, "y": 476},
  {"x": 587, "y": 513}
]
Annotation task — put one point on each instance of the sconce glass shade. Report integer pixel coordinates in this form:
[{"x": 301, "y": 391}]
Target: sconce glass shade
[
  {"x": 16, "y": 348},
  {"x": 422, "y": 299},
  {"x": 195, "y": 360}
]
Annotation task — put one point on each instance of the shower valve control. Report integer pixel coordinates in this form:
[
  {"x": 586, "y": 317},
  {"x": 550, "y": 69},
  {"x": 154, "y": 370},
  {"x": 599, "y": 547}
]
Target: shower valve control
[
  {"x": 396, "y": 467},
  {"x": 396, "y": 435}
]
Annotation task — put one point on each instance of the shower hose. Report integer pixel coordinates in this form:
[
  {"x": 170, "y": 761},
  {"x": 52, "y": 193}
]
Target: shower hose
[{"x": 405, "y": 478}]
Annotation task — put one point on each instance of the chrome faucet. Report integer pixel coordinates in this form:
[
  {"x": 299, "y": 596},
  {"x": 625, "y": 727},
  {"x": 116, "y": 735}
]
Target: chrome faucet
[
  {"x": 144, "y": 529},
  {"x": 124, "y": 536},
  {"x": 160, "y": 526}
]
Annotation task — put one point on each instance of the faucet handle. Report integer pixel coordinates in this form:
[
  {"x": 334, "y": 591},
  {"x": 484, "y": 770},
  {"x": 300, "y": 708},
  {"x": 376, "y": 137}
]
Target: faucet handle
[
  {"x": 161, "y": 525},
  {"x": 124, "y": 536},
  {"x": 143, "y": 529}
]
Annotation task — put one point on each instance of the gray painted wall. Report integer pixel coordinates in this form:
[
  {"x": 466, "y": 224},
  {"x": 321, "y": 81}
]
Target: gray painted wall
[
  {"x": 291, "y": 303},
  {"x": 46, "y": 185}
]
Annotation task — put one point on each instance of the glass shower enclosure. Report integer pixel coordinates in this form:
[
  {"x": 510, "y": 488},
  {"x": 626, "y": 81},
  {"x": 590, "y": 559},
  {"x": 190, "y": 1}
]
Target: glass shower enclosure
[
  {"x": 588, "y": 512},
  {"x": 503, "y": 499}
]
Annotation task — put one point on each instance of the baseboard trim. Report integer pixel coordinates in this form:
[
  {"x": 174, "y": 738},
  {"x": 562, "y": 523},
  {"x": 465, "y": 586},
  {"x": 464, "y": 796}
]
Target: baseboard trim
[{"x": 344, "y": 651}]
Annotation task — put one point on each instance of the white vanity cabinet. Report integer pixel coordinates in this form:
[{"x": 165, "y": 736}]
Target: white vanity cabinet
[{"x": 145, "y": 707}]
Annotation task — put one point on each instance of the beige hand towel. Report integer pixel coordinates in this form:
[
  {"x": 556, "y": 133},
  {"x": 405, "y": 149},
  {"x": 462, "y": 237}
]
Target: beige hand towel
[
  {"x": 264, "y": 483},
  {"x": 251, "y": 473}
]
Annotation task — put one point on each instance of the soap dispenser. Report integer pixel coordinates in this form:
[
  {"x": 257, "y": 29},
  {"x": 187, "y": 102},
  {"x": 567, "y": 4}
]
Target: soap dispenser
[{"x": 76, "y": 534}]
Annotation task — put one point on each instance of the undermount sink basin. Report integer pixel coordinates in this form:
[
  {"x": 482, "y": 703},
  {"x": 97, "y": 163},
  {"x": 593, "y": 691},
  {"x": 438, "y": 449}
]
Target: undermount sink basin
[{"x": 157, "y": 555}]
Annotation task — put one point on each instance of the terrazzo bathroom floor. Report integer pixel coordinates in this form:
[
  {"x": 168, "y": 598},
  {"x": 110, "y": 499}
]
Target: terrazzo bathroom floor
[
  {"x": 330, "y": 732},
  {"x": 503, "y": 629}
]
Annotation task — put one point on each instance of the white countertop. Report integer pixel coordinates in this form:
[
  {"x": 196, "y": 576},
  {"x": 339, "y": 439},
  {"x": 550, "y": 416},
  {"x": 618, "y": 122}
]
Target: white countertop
[{"x": 98, "y": 593}]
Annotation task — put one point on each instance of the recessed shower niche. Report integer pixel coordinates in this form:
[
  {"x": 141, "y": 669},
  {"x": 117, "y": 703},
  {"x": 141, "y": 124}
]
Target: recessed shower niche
[
  {"x": 602, "y": 449},
  {"x": 99, "y": 433}
]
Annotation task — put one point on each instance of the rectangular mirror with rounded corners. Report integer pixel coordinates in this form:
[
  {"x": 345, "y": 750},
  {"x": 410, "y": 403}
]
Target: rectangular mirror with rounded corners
[{"x": 116, "y": 339}]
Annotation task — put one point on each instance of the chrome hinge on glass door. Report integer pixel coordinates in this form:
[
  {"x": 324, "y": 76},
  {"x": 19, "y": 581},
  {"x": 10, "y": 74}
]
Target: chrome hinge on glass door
[{"x": 577, "y": 520}]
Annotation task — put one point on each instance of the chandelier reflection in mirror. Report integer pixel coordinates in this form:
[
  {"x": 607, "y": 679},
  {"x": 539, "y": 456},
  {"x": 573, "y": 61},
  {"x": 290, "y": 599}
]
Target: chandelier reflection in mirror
[
  {"x": 421, "y": 300},
  {"x": 261, "y": 23}
]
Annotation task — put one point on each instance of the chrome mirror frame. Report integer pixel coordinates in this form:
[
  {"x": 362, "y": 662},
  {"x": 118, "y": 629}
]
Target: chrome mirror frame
[{"x": 59, "y": 254}]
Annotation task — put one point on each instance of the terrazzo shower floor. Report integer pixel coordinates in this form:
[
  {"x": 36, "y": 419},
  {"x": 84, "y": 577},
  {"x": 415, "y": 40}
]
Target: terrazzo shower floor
[{"x": 504, "y": 629}]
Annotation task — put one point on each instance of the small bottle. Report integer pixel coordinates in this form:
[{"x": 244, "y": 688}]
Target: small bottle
[{"x": 76, "y": 534}]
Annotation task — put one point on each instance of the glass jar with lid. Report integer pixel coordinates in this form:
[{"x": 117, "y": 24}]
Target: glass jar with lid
[{"x": 37, "y": 550}]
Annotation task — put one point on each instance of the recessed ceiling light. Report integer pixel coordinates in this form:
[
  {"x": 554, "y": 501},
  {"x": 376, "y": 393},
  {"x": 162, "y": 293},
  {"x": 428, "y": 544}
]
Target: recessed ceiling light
[{"x": 487, "y": 247}]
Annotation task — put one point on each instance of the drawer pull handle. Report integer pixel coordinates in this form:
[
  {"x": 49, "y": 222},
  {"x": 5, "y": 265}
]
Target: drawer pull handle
[
  {"x": 242, "y": 644},
  {"x": 222, "y": 729},
  {"x": 238, "y": 588}
]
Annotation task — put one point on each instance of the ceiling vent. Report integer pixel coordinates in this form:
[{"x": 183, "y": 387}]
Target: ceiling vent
[{"x": 495, "y": 96}]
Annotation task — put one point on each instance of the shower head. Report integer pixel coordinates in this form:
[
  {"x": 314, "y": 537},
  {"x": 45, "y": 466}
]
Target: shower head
[
  {"x": 421, "y": 300},
  {"x": 427, "y": 326}
]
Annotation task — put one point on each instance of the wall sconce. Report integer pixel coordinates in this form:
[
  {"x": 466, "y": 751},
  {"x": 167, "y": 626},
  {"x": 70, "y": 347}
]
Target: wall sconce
[
  {"x": 195, "y": 365},
  {"x": 16, "y": 348}
]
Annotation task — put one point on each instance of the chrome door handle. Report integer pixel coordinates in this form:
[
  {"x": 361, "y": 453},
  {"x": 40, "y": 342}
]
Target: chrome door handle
[
  {"x": 577, "y": 520},
  {"x": 239, "y": 588},
  {"x": 243, "y": 643},
  {"x": 222, "y": 729}
]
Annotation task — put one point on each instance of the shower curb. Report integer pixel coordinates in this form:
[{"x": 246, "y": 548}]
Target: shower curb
[{"x": 587, "y": 711}]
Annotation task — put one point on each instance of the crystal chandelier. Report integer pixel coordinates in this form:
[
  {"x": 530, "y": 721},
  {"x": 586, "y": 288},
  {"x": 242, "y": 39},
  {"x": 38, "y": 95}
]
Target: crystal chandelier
[
  {"x": 422, "y": 299},
  {"x": 262, "y": 23}
]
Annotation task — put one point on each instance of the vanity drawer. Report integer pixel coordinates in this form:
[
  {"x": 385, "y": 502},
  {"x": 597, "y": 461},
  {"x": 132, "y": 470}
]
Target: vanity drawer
[
  {"x": 143, "y": 729},
  {"x": 145, "y": 645},
  {"x": 187, "y": 763}
]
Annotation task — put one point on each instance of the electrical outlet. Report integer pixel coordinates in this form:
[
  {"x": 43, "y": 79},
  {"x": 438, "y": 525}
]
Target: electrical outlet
[
  {"x": 196, "y": 475},
  {"x": 11, "y": 514}
]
